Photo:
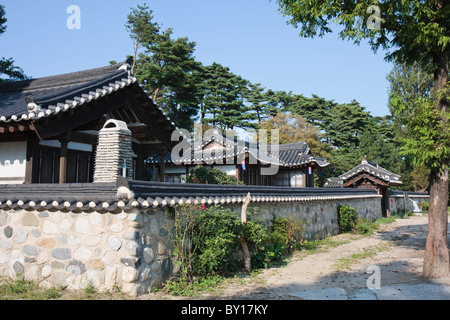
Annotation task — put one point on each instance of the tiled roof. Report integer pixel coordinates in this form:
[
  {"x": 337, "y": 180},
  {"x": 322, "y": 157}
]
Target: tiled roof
[
  {"x": 401, "y": 194},
  {"x": 333, "y": 183},
  {"x": 371, "y": 168},
  {"x": 85, "y": 196},
  {"x": 39, "y": 98},
  {"x": 139, "y": 194},
  {"x": 43, "y": 98},
  {"x": 285, "y": 155}
]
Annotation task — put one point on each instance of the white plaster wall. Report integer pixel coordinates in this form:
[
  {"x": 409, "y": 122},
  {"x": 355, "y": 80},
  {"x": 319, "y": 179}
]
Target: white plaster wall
[
  {"x": 296, "y": 179},
  {"x": 13, "y": 162}
]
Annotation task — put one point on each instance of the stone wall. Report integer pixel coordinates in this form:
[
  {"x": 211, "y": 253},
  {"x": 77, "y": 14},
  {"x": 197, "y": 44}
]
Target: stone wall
[
  {"x": 124, "y": 249},
  {"x": 400, "y": 202},
  {"x": 127, "y": 249},
  {"x": 320, "y": 216}
]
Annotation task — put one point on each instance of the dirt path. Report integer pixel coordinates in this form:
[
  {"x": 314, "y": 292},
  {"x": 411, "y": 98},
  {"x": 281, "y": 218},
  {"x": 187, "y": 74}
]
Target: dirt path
[{"x": 396, "y": 248}]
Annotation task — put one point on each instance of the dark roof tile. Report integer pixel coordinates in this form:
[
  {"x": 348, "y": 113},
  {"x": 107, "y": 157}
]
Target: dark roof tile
[{"x": 38, "y": 98}]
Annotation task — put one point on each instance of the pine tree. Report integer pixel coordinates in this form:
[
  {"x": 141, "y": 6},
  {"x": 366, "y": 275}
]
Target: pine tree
[
  {"x": 223, "y": 99},
  {"x": 166, "y": 67},
  {"x": 264, "y": 103},
  {"x": 8, "y": 71},
  {"x": 348, "y": 122}
]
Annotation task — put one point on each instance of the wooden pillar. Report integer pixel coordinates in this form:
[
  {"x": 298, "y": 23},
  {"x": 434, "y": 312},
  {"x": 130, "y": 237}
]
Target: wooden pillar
[
  {"x": 382, "y": 190},
  {"x": 32, "y": 165},
  {"x": 138, "y": 169},
  {"x": 386, "y": 202},
  {"x": 162, "y": 168},
  {"x": 63, "y": 162}
]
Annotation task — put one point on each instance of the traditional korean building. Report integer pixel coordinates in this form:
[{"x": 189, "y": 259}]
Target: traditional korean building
[
  {"x": 368, "y": 175},
  {"x": 49, "y": 126},
  {"x": 73, "y": 210},
  {"x": 291, "y": 165}
]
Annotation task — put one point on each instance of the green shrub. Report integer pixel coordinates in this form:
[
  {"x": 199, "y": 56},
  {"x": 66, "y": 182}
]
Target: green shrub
[
  {"x": 201, "y": 174},
  {"x": 206, "y": 243},
  {"x": 268, "y": 245},
  {"x": 424, "y": 206},
  {"x": 257, "y": 237},
  {"x": 365, "y": 226},
  {"x": 347, "y": 218},
  {"x": 291, "y": 230},
  {"x": 216, "y": 239},
  {"x": 205, "y": 240}
]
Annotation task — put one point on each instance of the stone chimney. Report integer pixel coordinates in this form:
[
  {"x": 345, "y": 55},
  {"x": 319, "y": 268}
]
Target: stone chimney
[{"x": 114, "y": 157}]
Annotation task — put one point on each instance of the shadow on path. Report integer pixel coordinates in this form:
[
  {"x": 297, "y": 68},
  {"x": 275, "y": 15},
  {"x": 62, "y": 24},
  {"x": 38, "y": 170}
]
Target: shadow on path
[{"x": 400, "y": 269}]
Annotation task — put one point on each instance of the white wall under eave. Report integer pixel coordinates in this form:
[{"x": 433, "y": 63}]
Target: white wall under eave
[{"x": 13, "y": 162}]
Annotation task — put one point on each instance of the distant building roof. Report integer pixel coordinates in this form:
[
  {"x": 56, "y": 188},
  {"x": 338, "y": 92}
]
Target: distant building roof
[
  {"x": 286, "y": 155},
  {"x": 371, "y": 168}
]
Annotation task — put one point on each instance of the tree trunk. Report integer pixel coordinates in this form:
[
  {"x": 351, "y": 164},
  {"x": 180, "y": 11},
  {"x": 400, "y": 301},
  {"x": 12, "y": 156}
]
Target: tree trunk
[
  {"x": 135, "y": 55},
  {"x": 436, "y": 259},
  {"x": 247, "y": 258},
  {"x": 155, "y": 97}
]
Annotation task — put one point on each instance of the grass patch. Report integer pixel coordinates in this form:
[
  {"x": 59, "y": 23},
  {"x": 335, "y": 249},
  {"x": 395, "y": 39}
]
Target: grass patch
[
  {"x": 346, "y": 262},
  {"x": 89, "y": 290},
  {"x": 306, "y": 248},
  {"x": 21, "y": 289},
  {"x": 209, "y": 285},
  {"x": 200, "y": 285}
]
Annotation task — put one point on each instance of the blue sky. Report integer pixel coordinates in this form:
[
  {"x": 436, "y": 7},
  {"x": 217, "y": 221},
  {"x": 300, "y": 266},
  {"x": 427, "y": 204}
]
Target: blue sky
[{"x": 249, "y": 36}]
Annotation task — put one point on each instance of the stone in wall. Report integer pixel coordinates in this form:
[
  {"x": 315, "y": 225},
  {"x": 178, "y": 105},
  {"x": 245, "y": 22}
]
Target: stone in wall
[
  {"x": 320, "y": 217},
  {"x": 73, "y": 249},
  {"x": 132, "y": 249}
]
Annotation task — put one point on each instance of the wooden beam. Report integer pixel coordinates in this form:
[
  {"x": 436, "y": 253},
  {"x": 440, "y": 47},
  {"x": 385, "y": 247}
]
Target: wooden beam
[
  {"x": 64, "y": 122},
  {"x": 96, "y": 125},
  {"x": 16, "y": 136},
  {"x": 75, "y": 136},
  {"x": 147, "y": 149},
  {"x": 142, "y": 107},
  {"x": 17, "y": 128},
  {"x": 375, "y": 180}
]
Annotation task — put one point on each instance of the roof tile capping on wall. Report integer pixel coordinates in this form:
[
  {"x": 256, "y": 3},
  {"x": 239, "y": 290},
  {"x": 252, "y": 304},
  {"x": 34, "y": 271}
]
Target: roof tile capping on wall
[
  {"x": 114, "y": 157},
  {"x": 119, "y": 233}
]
